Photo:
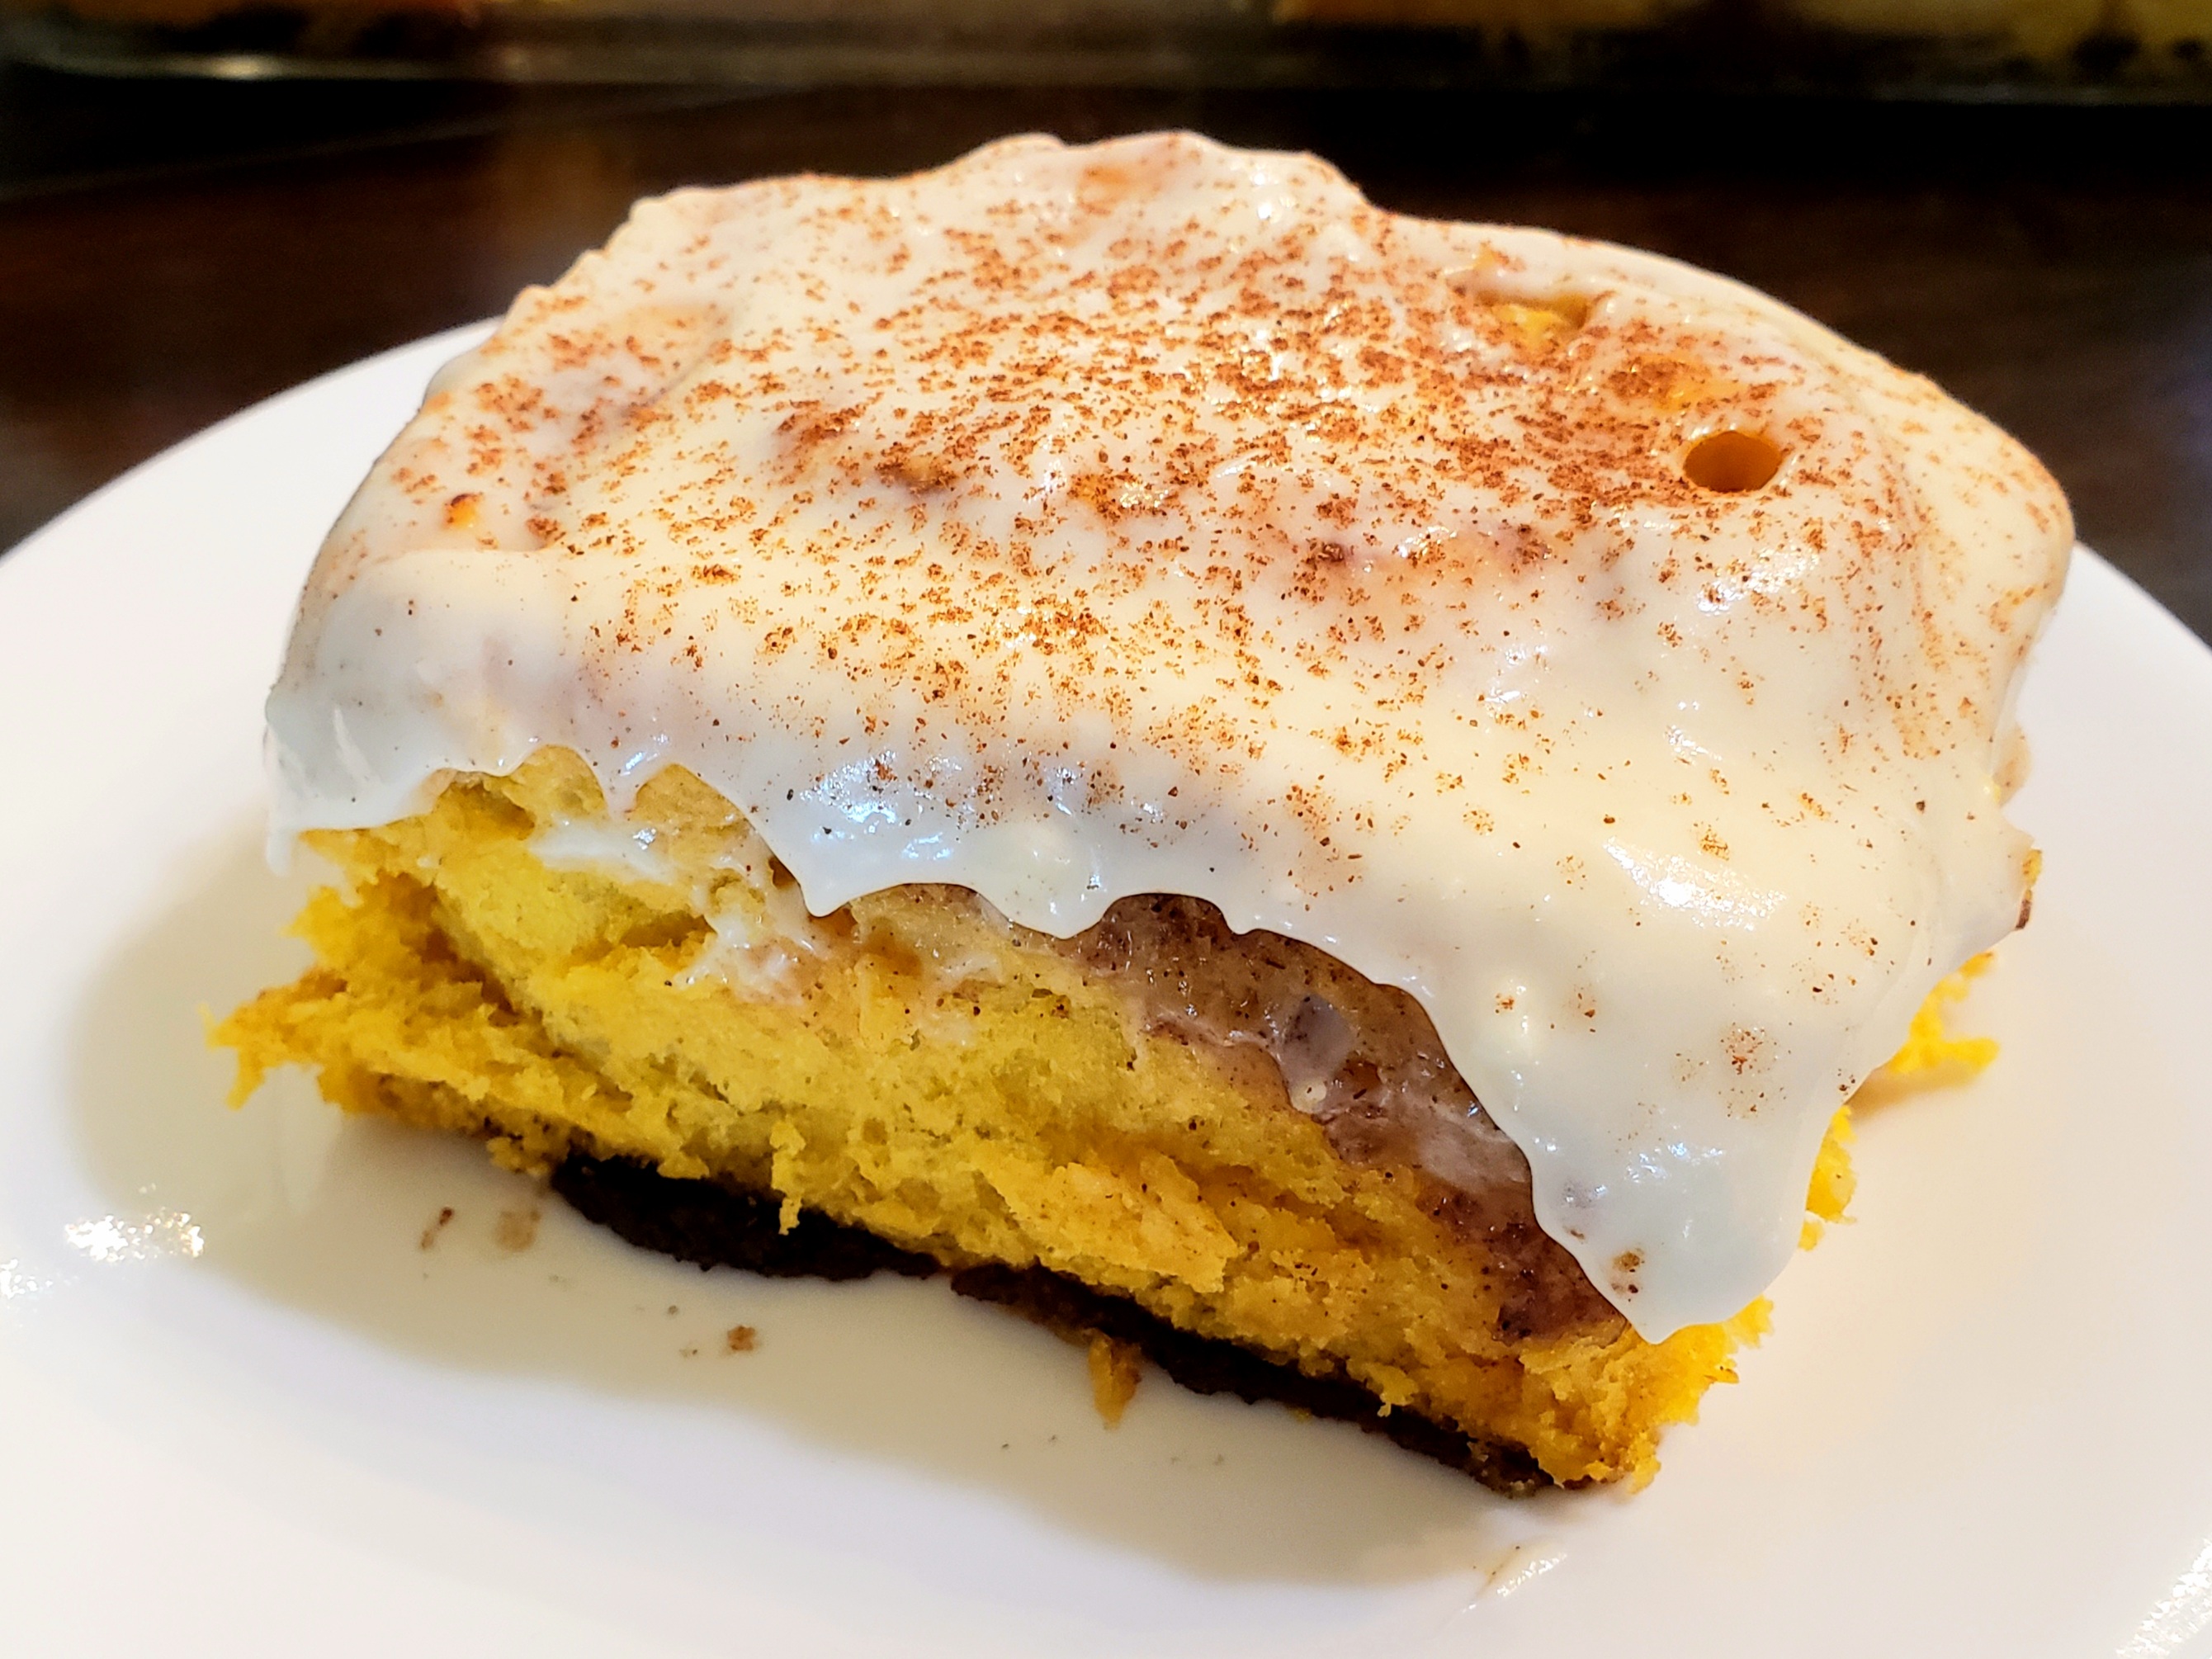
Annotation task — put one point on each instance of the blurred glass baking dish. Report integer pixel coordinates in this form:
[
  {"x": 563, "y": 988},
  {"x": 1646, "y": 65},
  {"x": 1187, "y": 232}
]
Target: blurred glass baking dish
[{"x": 2031, "y": 50}]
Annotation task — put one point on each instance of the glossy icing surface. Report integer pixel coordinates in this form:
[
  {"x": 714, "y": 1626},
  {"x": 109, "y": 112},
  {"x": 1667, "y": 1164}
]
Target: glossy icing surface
[{"x": 1153, "y": 517}]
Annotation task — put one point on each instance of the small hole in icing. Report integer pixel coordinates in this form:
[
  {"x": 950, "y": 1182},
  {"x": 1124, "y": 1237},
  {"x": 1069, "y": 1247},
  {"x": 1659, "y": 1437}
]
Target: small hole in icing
[
  {"x": 1731, "y": 463},
  {"x": 1535, "y": 322}
]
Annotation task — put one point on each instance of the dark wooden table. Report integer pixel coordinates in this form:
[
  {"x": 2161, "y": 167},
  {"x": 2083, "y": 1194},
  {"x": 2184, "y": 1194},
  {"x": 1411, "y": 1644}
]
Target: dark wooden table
[{"x": 170, "y": 252}]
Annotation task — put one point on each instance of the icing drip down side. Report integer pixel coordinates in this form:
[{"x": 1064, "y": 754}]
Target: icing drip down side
[{"x": 1605, "y": 655}]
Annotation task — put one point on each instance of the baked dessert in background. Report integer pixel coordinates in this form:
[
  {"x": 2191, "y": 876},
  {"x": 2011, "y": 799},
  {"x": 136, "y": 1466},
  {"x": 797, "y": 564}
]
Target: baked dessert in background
[
  {"x": 2041, "y": 29},
  {"x": 1255, "y": 777},
  {"x": 1878, "y": 46}
]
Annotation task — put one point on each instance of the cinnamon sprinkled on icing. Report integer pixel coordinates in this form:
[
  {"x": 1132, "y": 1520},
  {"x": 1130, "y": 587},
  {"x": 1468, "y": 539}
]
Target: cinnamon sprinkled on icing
[{"x": 1072, "y": 523}]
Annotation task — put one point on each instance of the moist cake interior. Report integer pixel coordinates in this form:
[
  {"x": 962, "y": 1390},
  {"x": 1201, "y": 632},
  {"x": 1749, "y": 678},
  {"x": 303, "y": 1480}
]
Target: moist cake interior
[{"x": 1230, "y": 1150}]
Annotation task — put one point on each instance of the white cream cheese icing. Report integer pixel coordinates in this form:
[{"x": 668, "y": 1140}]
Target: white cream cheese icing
[{"x": 1156, "y": 517}]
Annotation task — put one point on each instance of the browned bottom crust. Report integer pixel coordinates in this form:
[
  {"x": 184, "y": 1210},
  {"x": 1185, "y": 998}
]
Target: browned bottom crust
[{"x": 717, "y": 1226}]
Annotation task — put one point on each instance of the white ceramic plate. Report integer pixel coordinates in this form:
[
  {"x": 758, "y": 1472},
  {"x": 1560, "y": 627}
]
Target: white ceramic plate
[{"x": 244, "y": 1410}]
